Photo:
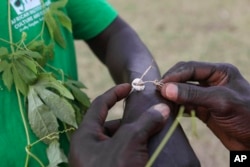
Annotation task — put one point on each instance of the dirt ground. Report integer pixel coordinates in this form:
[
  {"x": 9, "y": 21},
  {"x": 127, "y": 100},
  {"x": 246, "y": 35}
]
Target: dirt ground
[{"x": 181, "y": 30}]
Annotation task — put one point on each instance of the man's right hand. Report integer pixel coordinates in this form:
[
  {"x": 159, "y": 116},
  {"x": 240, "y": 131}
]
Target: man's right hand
[{"x": 219, "y": 95}]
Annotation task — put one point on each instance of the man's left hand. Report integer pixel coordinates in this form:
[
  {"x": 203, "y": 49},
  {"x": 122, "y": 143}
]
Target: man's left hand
[{"x": 92, "y": 147}]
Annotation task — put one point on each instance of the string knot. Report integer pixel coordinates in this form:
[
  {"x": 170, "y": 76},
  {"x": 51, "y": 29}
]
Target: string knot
[{"x": 138, "y": 84}]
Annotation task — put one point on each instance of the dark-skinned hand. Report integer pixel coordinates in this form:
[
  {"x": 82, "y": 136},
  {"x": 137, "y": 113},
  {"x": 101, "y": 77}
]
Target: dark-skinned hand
[
  {"x": 220, "y": 96},
  {"x": 92, "y": 147}
]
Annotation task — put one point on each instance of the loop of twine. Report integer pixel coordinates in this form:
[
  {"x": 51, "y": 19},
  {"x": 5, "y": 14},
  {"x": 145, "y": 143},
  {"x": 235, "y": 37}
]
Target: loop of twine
[{"x": 139, "y": 84}]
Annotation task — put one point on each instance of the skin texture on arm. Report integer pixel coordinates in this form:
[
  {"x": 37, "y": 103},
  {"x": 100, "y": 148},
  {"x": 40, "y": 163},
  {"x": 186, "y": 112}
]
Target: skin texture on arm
[
  {"x": 126, "y": 57},
  {"x": 220, "y": 98}
]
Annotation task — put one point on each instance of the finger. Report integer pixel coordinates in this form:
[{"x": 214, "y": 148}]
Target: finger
[
  {"x": 194, "y": 71},
  {"x": 111, "y": 127},
  {"x": 151, "y": 121},
  {"x": 98, "y": 110},
  {"x": 197, "y": 96}
]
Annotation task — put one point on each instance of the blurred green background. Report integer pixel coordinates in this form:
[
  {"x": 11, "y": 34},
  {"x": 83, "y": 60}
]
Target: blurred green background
[{"x": 181, "y": 30}]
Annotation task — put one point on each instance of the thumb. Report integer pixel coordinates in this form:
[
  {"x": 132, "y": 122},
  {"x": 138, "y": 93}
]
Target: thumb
[
  {"x": 170, "y": 91},
  {"x": 152, "y": 121},
  {"x": 182, "y": 93}
]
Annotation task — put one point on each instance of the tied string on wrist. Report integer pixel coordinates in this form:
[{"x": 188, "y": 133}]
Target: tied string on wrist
[{"x": 139, "y": 85}]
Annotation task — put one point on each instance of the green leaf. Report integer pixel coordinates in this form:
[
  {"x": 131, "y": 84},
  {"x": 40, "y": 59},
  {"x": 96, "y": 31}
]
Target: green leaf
[
  {"x": 58, "y": 4},
  {"x": 29, "y": 63},
  {"x": 3, "y": 65},
  {"x": 77, "y": 84},
  {"x": 61, "y": 16},
  {"x": 37, "y": 46},
  {"x": 79, "y": 114},
  {"x": 46, "y": 51},
  {"x": 60, "y": 107},
  {"x": 54, "y": 29},
  {"x": 8, "y": 76},
  {"x": 3, "y": 52},
  {"x": 58, "y": 36},
  {"x": 50, "y": 23},
  {"x": 42, "y": 121},
  {"x": 27, "y": 75},
  {"x": 54, "y": 17},
  {"x": 55, "y": 154},
  {"x": 79, "y": 95},
  {"x": 64, "y": 19},
  {"x": 19, "y": 82},
  {"x": 33, "y": 54},
  {"x": 48, "y": 81}
]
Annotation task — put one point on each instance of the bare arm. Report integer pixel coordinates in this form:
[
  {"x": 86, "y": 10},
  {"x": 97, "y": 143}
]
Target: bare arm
[{"x": 126, "y": 57}]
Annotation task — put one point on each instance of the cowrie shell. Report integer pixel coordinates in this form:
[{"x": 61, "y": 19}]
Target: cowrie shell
[{"x": 138, "y": 84}]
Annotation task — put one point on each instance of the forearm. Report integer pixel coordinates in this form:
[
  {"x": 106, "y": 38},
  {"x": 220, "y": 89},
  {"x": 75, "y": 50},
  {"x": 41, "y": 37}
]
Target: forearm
[
  {"x": 127, "y": 58},
  {"x": 124, "y": 53}
]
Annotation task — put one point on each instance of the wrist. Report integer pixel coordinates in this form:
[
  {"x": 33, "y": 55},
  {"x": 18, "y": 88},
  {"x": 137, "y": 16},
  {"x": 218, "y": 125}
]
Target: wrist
[{"x": 139, "y": 101}]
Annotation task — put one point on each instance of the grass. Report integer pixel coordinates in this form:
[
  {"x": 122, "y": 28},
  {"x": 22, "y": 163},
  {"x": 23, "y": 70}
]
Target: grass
[{"x": 180, "y": 30}]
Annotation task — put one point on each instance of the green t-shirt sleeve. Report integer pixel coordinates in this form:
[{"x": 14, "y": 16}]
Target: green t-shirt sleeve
[{"x": 90, "y": 17}]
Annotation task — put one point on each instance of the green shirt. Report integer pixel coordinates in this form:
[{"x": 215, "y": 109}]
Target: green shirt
[{"x": 89, "y": 18}]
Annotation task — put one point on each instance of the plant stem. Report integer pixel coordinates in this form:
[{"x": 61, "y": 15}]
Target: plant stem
[
  {"x": 34, "y": 156},
  {"x": 165, "y": 139},
  {"x": 52, "y": 136},
  {"x": 193, "y": 123},
  {"x": 8, "y": 42},
  {"x": 17, "y": 91},
  {"x": 10, "y": 27},
  {"x": 59, "y": 71},
  {"x": 24, "y": 123}
]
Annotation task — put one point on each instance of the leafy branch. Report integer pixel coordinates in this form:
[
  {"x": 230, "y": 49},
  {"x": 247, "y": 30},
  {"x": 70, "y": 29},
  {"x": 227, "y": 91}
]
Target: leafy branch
[
  {"x": 55, "y": 16},
  {"x": 50, "y": 100}
]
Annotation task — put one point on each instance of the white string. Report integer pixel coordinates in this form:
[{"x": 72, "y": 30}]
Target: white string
[
  {"x": 139, "y": 85},
  {"x": 147, "y": 70}
]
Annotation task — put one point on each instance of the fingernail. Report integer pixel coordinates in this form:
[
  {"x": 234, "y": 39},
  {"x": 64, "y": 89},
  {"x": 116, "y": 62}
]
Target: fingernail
[
  {"x": 171, "y": 91},
  {"x": 163, "y": 109}
]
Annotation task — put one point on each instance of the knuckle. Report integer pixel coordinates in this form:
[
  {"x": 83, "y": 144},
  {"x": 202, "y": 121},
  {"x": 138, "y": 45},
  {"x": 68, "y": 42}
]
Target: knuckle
[
  {"x": 225, "y": 98},
  {"x": 229, "y": 69},
  {"x": 188, "y": 96},
  {"x": 191, "y": 63},
  {"x": 186, "y": 66},
  {"x": 180, "y": 63}
]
